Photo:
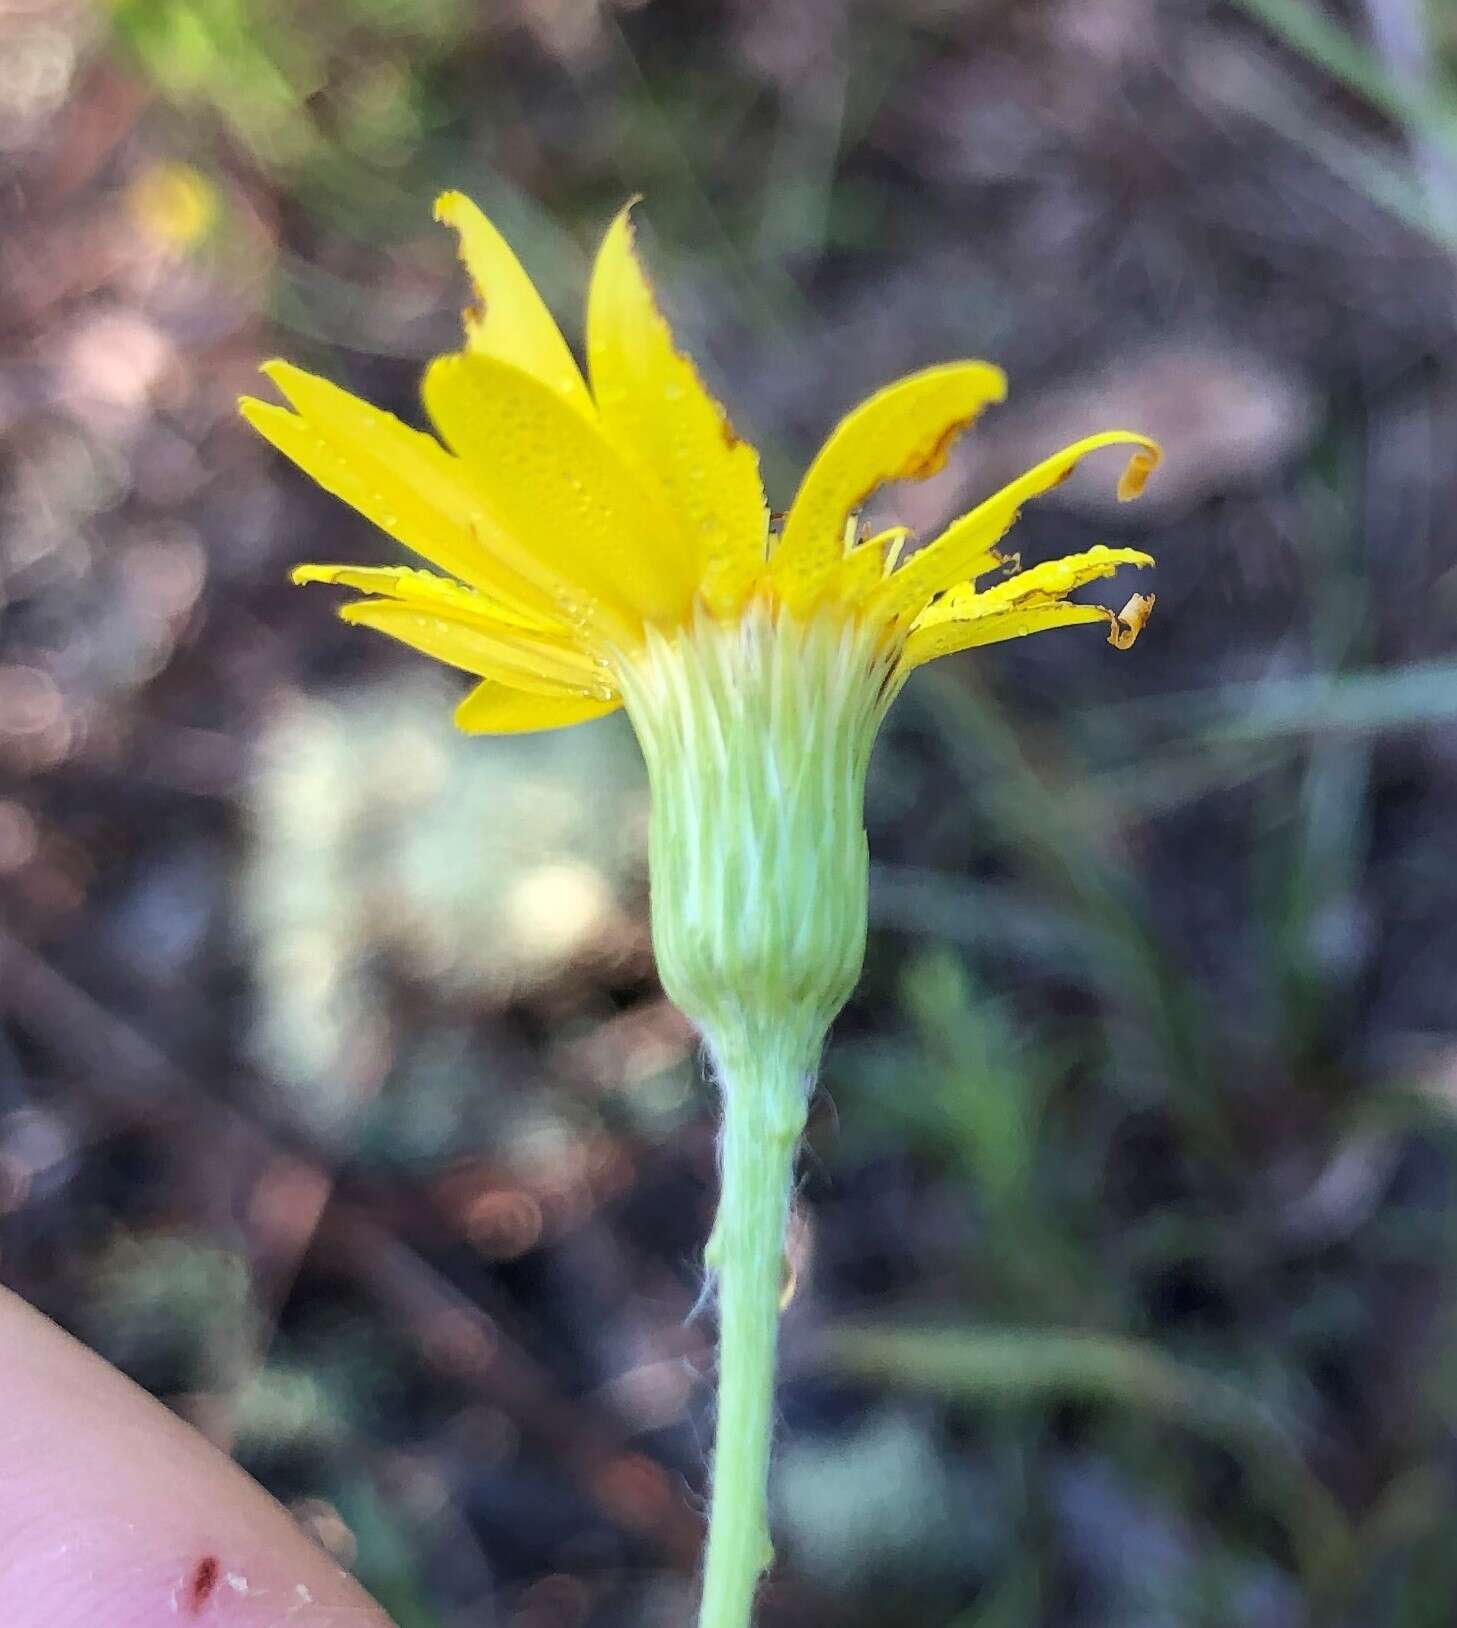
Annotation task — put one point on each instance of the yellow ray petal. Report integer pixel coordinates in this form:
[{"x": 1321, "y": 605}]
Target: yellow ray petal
[
  {"x": 586, "y": 530},
  {"x": 425, "y": 589},
  {"x": 1053, "y": 579},
  {"x": 476, "y": 645},
  {"x": 657, "y": 413},
  {"x": 401, "y": 479},
  {"x": 511, "y": 322},
  {"x": 901, "y": 433},
  {"x": 944, "y": 638},
  {"x": 865, "y": 566},
  {"x": 967, "y": 548},
  {"x": 418, "y": 514},
  {"x": 497, "y": 709}
]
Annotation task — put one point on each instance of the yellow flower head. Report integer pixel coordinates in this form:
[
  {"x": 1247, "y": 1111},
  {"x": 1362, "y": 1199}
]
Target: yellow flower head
[
  {"x": 609, "y": 545},
  {"x": 578, "y": 523}
]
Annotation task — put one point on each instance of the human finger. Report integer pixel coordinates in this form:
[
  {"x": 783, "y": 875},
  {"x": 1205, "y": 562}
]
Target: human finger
[{"x": 114, "y": 1511}]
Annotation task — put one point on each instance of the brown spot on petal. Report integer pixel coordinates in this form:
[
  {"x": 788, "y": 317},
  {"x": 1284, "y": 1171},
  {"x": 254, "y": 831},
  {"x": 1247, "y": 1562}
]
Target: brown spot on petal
[{"x": 932, "y": 460}]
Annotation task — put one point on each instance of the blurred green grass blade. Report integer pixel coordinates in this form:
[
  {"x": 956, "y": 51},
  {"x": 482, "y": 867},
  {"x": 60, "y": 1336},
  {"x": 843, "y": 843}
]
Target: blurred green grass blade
[
  {"x": 1224, "y": 737},
  {"x": 1325, "y": 43},
  {"x": 1313, "y": 867},
  {"x": 1310, "y": 861},
  {"x": 1069, "y": 833},
  {"x": 996, "y": 916},
  {"x": 1015, "y": 1366},
  {"x": 987, "y": 1079},
  {"x": 1389, "y": 177},
  {"x": 1408, "y": 697},
  {"x": 1008, "y": 1368},
  {"x": 1368, "y": 700}
]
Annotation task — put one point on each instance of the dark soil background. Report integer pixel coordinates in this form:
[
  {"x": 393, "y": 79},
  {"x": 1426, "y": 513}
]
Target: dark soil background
[{"x": 338, "y": 1102}]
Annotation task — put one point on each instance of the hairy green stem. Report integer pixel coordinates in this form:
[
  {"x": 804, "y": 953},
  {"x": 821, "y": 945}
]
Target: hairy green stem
[
  {"x": 756, "y": 736},
  {"x": 764, "y": 1111}
]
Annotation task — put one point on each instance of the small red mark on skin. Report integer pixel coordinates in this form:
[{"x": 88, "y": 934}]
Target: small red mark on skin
[{"x": 202, "y": 1582}]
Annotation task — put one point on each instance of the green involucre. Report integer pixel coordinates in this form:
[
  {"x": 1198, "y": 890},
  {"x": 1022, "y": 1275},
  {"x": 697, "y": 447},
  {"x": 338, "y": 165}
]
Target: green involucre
[{"x": 757, "y": 736}]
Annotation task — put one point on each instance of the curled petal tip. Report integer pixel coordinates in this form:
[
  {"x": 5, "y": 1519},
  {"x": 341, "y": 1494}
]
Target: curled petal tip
[
  {"x": 1135, "y": 476},
  {"x": 1127, "y": 624}
]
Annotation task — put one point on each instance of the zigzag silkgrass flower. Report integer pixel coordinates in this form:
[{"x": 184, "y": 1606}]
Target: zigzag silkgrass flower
[{"x": 607, "y": 544}]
